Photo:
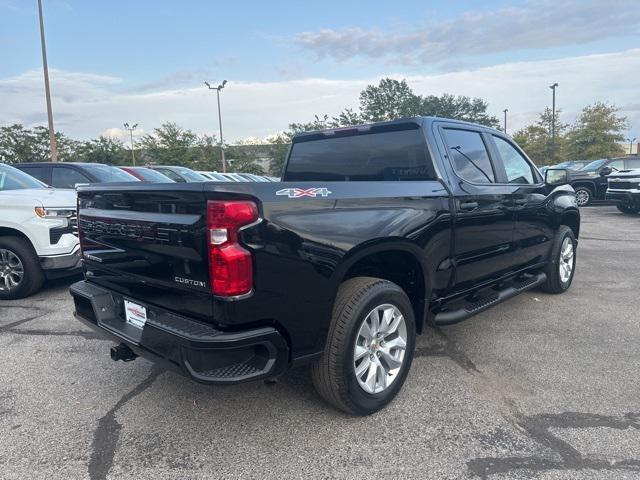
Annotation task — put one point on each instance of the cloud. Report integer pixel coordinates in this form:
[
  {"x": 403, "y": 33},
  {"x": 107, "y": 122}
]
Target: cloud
[
  {"x": 121, "y": 134},
  {"x": 86, "y": 105},
  {"x": 539, "y": 24}
]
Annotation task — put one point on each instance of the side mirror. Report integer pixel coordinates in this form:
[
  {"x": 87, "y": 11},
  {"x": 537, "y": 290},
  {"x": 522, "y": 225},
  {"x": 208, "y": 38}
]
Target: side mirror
[
  {"x": 605, "y": 171},
  {"x": 556, "y": 176}
]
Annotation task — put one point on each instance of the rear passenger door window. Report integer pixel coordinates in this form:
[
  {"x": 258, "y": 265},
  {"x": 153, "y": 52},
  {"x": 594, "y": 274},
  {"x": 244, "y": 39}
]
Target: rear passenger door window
[
  {"x": 66, "y": 177},
  {"x": 517, "y": 168},
  {"x": 36, "y": 172},
  {"x": 469, "y": 155}
]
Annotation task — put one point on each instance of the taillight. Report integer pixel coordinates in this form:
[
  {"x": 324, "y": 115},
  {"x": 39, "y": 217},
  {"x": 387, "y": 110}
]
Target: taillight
[{"x": 230, "y": 265}]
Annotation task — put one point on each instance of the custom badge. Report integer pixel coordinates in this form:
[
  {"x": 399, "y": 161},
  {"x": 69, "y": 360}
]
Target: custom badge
[{"x": 304, "y": 192}]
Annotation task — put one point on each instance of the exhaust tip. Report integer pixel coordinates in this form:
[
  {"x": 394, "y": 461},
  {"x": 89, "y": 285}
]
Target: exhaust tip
[{"x": 122, "y": 352}]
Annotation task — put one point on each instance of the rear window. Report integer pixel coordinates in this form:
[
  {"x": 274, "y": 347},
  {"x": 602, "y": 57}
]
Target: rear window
[
  {"x": 391, "y": 156},
  {"x": 149, "y": 175},
  {"x": 109, "y": 174}
]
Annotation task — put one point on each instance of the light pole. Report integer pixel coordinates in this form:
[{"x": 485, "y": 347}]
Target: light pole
[
  {"x": 553, "y": 112},
  {"x": 217, "y": 89},
  {"x": 131, "y": 129},
  {"x": 631, "y": 140},
  {"x": 505, "y": 119},
  {"x": 47, "y": 90}
]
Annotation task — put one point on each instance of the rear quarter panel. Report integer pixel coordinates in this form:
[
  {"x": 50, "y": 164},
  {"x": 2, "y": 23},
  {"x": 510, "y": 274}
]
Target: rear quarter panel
[{"x": 304, "y": 246}]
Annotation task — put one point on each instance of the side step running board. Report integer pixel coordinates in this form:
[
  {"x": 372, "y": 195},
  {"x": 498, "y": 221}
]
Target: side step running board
[{"x": 449, "y": 317}]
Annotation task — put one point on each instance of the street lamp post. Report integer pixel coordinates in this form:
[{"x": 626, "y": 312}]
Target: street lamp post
[
  {"x": 47, "y": 90},
  {"x": 505, "y": 119},
  {"x": 553, "y": 112},
  {"x": 631, "y": 140},
  {"x": 217, "y": 89},
  {"x": 131, "y": 129}
]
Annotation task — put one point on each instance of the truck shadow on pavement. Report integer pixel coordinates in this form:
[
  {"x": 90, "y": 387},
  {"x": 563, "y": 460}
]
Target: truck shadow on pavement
[{"x": 556, "y": 453}]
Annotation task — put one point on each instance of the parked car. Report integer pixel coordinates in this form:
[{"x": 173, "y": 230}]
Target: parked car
[
  {"x": 252, "y": 177},
  {"x": 180, "y": 174},
  {"x": 590, "y": 182},
  {"x": 624, "y": 189},
  {"x": 570, "y": 164},
  {"x": 71, "y": 174},
  {"x": 145, "y": 174},
  {"x": 375, "y": 232},
  {"x": 38, "y": 233},
  {"x": 215, "y": 176}
]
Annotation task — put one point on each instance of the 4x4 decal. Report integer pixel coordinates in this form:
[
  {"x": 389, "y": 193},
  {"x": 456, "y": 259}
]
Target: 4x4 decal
[{"x": 304, "y": 192}]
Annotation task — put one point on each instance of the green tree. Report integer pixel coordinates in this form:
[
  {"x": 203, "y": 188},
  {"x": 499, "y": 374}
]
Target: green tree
[
  {"x": 103, "y": 150},
  {"x": 19, "y": 144},
  {"x": 458, "y": 108},
  {"x": 280, "y": 145},
  {"x": 388, "y": 100},
  {"x": 597, "y": 133},
  {"x": 537, "y": 142},
  {"x": 172, "y": 145}
]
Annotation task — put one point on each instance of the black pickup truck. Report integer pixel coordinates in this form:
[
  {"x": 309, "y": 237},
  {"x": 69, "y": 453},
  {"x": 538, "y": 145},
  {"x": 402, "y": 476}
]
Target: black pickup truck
[{"x": 374, "y": 233}]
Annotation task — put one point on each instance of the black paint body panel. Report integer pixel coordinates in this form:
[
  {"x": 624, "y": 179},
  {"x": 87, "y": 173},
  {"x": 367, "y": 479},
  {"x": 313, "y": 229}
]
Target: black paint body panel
[{"x": 303, "y": 247}]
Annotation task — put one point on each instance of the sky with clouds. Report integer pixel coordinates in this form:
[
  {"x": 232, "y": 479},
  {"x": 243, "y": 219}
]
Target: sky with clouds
[{"x": 144, "y": 62}]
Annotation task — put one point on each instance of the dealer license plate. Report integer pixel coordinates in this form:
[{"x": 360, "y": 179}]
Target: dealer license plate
[{"x": 135, "y": 314}]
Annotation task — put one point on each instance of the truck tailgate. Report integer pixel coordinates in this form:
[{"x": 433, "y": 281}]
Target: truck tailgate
[{"x": 149, "y": 244}]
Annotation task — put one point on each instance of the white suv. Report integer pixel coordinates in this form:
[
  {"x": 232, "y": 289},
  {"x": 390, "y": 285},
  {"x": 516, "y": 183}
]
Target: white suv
[{"x": 38, "y": 233}]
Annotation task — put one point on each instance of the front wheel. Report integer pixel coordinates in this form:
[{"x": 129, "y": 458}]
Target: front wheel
[
  {"x": 562, "y": 264},
  {"x": 628, "y": 209},
  {"x": 369, "y": 346},
  {"x": 20, "y": 271},
  {"x": 583, "y": 196}
]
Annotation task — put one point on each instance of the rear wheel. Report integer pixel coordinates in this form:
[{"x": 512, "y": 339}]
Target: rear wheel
[
  {"x": 628, "y": 209},
  {"x": 561, "y": 266},
  {"x": 583, "y": 196},
  {"x": 20, "y": 272},
  {"x": 369, "y": 347}
]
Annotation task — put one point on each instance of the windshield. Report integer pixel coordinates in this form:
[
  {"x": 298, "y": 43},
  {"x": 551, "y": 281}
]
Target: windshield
[
  {"x": 593, "y": 166},
  {"x": 190, "y": 175},
  {"x": 14, "y": 179},
  {"x": 109, "y": 174},
  {"x": 148, "y": 175}
]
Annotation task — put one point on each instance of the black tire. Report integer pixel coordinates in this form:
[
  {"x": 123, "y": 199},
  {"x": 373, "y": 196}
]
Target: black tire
[
  {"x": 628, "y": 209},
  {"x": 33, "y": 276},
  {"x": 584, "y": 196},
  {"x": 554, "y": 282},
  {"x": 334, "y": 374}
]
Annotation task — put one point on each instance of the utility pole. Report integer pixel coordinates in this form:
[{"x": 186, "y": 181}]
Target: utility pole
[
  {"x": 553, "y": 113},
  {"x": 47, "y": 91},
  {"x": 217, "y": 89},
  {"x": 131, "y": 129},
  {"x": 631, "y": 140},
  {"x": 505, "y": 119}
]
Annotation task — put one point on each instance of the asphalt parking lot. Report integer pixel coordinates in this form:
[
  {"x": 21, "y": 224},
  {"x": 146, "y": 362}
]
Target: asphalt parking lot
[{"x": 541, "y": 387}]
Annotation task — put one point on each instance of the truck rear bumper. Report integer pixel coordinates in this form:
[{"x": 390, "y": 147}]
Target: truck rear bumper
[{"x": 194, "y": 348}]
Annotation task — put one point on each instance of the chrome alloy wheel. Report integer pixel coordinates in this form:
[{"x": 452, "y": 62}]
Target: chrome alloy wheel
[
  {"x": 567, "y": 258},
  {"x": 378, "y": 354},
  {"x": 11, "y": 270},
  {"x": 582, "y": 197}
]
